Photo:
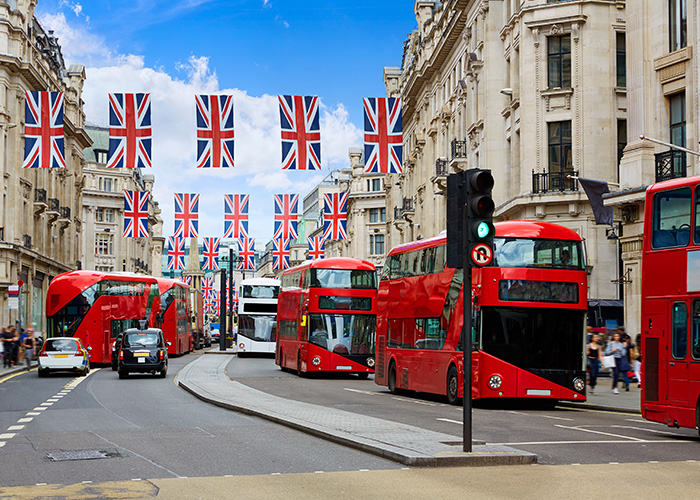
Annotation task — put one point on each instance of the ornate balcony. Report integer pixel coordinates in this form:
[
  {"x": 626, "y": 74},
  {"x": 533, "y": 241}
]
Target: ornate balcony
[
  {"x": 459, "y": 149},
  {"x": 670, "y": 164},
  {"x": 40, "y": 204},
  {"x": 53, "y": 213},
  {"x": 64, "y": 219},
  {"x": 439, "y": 180},
  {"x": 547, "y": 182},
  {"x": 408, "y": 205}
]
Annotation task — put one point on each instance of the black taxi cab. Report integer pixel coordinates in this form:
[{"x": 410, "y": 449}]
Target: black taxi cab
[{"x": 143, "y": 351}]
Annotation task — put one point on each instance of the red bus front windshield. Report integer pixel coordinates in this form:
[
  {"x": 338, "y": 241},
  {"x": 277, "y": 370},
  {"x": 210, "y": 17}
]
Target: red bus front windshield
[
  {"x": 343, "y": 333},
  {"x": 538, "y": 253},
  {"x": 343, "y": 278}
]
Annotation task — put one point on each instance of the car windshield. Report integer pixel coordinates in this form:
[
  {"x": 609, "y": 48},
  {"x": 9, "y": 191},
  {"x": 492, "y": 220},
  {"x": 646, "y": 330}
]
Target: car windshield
[
  {"x": 141, "y": 339},
  {"x": 61, "y": 345}
]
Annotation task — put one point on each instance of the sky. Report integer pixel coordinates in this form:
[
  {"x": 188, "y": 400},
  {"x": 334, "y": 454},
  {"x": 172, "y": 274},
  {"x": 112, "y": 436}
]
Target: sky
[{"x": 252, "y": 49}]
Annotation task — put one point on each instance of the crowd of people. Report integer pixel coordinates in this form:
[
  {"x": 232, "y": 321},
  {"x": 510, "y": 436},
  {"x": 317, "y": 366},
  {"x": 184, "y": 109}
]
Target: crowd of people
[
  {"x": 619, "y": 353},
  {"x": 13, "y": 342}
]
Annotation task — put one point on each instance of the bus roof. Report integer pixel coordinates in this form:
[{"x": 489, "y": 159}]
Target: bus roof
[
  {"x": 511, "y": 228},
  {"x": 165, "y": 284},
  {"x": 674, "y": 183},
  {"x": 334, "y": 263}
]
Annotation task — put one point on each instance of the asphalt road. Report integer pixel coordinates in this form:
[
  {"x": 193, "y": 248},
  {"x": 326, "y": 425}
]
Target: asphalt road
[
  {"x": 559, "y": 436},
  {"x": 145, "y": 427}
]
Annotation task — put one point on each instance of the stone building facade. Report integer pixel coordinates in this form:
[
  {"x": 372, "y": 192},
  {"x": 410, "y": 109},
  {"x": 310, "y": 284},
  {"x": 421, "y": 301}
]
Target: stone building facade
[
  {"x": 104, "y": 248},
  {"x": 40, "y": 215},
  {"x": 534, "y": 91},
  {"x": 662, "y": 75}
]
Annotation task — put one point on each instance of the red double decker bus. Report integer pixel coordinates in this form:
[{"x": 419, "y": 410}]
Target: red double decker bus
[
  {"x": 174, "y": 316},
  {"x": 529, "y": 317},
  {"x": 96, "y": 307},
  {"x": 326, "y": 317},
  {"x": 670, "y": 304}
]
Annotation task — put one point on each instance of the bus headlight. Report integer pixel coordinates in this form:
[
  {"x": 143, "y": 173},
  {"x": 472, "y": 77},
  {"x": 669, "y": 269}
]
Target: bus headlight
[
  {"x": 495, "y": 382},
  {"x": 370, "y": 362},
  {"x": 316, "y": 361},
  {"x": 579, "y": 384}
]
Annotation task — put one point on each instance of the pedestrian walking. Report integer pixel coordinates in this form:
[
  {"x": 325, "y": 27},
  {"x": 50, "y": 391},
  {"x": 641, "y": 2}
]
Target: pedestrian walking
[
  {"x": 594, "y": 354},
  {"x": 29, "y": 344},
  {"x": 618, "y": 350},
  {"x": 637, "y": 363},
  {"x": 8, "y": 338}
]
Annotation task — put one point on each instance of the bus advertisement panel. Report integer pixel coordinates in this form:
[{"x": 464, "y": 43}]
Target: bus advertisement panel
[
  {"x": 670, "y": 336},
  {"x": 327, "y": 318},
  {"x": 95, "y": 307},
  {"x": 257, "y": 316},
  {"x": 529, "y": 317}
]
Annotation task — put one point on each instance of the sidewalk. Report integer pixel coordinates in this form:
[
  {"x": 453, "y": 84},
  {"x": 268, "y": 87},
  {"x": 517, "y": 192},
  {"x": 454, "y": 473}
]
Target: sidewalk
[
  {"x": 206, "y": 379},
  {"x": 604, "y": 399},
  {"x": 21, "y": 367}
]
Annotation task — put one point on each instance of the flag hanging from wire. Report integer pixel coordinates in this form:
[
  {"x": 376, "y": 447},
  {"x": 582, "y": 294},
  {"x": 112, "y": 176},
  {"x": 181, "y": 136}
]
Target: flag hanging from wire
[
  {"x": 186, "y": 215},
  {"x": 383, "y": 135},
  {"x": 129, "y": 131},
  {"x": 135, "y": 214},
  {"x": 335, "y": 216},
  {"x": 176, "y": 253},
  {"x": 316, "y": 247},
  {"x": 235, "y": 215},
  {"x": 301, "y": 132},
  {"x": 43, "y": 130},
  {"x": 214, "y": 131},
  {"x": 280, "y": 253},
  {"x": 246, "y": 253},
  {"x": 211, "y": 254}
]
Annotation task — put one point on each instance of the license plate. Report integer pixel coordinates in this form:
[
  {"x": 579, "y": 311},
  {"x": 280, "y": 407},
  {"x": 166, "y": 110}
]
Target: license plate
[
  {"x": 141, "y": 354},
  {"x": 60, "y": 355},
  {"x": 142, "y": 360}
]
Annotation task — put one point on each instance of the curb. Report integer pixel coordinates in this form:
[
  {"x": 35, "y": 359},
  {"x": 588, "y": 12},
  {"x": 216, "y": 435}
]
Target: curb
[{"x": 17, "y": 370}]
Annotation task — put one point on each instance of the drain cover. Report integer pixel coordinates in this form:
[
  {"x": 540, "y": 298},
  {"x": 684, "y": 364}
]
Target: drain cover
[{"x": 59, "y": 456}]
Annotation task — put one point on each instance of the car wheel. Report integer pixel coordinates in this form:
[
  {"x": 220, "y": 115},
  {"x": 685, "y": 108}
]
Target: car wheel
[
  {"x": 452, "y": 386},
  {"x": 83, "y": 372},
  {"x": 123, "y": 374},
  {"x": 392, "y": 379},
  {"x": 43, "y": 372},
  {"x": 163, "y": 373}
]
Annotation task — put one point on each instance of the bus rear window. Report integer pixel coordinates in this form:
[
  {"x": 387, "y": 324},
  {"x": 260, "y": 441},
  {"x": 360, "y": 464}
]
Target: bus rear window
[{"x": 671, "y": 211}]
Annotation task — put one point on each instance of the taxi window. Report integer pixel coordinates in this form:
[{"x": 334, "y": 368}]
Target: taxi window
[{"x": 141, "y": 339}]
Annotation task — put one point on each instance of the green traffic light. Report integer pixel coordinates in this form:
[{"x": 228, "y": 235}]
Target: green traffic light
[{"x": 482, "y": 230}]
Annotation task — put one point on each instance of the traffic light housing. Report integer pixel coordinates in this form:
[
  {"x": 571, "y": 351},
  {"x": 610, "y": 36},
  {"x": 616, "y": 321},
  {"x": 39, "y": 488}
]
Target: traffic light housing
[{"x": 480, "y": 208}]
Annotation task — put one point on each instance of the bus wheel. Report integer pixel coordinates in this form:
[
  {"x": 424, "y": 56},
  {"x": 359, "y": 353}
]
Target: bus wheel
[
  {"x": 299, "y": 372},
  {"x": 392, "y": 379},
  {"x": 363, "y": 375},
  {"x": 452, "y": 386}
]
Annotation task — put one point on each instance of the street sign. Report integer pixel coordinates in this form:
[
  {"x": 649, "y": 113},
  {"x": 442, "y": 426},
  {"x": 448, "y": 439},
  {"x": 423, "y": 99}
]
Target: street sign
[
  {"x": 482, "y": 254},
  {"x": 13, "y": 297}
]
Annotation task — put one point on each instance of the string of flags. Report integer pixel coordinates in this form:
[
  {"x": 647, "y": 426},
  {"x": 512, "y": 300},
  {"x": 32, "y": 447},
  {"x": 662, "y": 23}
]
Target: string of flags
[{"x": 130, "y": 145}]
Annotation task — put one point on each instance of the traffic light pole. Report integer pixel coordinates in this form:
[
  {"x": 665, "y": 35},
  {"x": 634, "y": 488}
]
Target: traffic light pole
[
  {"x": 467, "y": 343},
  {"x": 222, "y": 311}
]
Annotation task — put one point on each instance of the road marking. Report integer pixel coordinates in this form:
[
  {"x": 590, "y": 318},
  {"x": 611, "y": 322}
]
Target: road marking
[
  {"x": 645, "y": 429},
  {"x": 537, "y": 415},
  {"x": 39, "y": 408},
  {"x": 52, "y": 400},
  {"x": 7, "y": 435},
  {"x": 15, "y": 428},
  {"x": 370, "y": 393},
  {"x": 46, "y": 404},
  {"x": 653, "y": 461},
  {"x": 11, "y": 376},
  {"x": 318, "y": 472},
  {"x": 598, "y": 432},
  {"x": 610, "y": 441},
  {"x": 416, "y": 401},
  {"x": 273, "y": 474},
  {"x": 205, "y": 432},
  {"x": 86, "y": 482},
  {"x": 25, "y": 420},
  {"x": 34, "y": 413},
  {"x": 591, "y": 410},
  {"x": 450, "y": 420},
  {"x": 41, "y": 484},
  {"x": 137, "y": 479},
  {"x": 2, "y": 443}
]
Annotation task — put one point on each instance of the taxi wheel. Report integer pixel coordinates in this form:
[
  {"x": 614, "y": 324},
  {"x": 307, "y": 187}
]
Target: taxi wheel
[
  {"x": 114, "y": 367},
  {"x": 123, "y": 374},
  {"x": 163, "y": 372}
]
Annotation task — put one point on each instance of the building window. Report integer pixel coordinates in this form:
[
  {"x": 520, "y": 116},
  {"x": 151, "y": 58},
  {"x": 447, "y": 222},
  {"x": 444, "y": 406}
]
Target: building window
[
  {"x": 374, "y": 184},
  {"x": 101, "y": 156},
  {"x": 107, "y": 184},
  {"x": 621, "y": 60},
  {"x": 677, "y": 24},
  {"x": 104, "y": 244},
  {"x": 109, "y": 215},
  {"x": 377, "y": 214},
  {"x": 677, "y": 119},
  {"x": 560, "y": 146},
  {"x": 376, "y": 244},
  {"x": 559, "y": 61},
  {"x": 621, "y": 142},
  {"x": 99, "y": 215}
]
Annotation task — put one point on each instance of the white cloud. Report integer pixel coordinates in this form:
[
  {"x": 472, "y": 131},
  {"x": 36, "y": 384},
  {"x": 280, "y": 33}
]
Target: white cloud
[{"x": 78, "y": 45}]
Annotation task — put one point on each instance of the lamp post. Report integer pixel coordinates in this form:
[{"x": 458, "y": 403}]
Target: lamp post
[
  {"x": 222, "y": 311},
  {"x": 230, "y": 289}
]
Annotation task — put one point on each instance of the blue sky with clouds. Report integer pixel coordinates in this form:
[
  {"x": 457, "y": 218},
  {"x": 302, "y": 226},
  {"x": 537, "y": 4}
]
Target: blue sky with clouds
[{"x": 253, "y": 49}]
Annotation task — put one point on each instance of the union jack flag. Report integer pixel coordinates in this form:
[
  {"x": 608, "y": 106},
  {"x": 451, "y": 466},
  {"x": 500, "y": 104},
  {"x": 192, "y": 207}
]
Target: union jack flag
[
  {"x": 215, "y": 302},
  {"x": 316, "y": 247},
  {"x": 335, "y": 216},
  {"x": 383, "y": 135},
  {"x": 188, "y": 280},
  {"x": 246, "y": 249},
  {"x": 176, "y": 253},
  {"x": 187, "y": 215},
  {"x": 235, "y": 215},
  {"x": 211, "y": 254},
  {"x": 129, "y": 131},
  {"x": 301, "y": 132},
  {"x": 286, "y": 213},
  {"x": 135, "y": 214},
  {"x": 280, "y": 253},
  {"x": 207, "y": 285},
  {"x": 214, "y": 131},
  {"x": 209, "y": 304},
  {"x": 43, "y": 130}
]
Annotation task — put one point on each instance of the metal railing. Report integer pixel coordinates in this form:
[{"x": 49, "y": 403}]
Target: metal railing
[
  {"x": 441, "y": 167},
  {"x": 408, "y": 204},
  {"x": 65, "y": 212},
  {"x": 53, "y": 204},
  {"x": 670, "y": 164},
  {"x": 459, "y": 149},
  {"x": 546, "y": 182},
  {"x": 40, "y": 195},
  {"x": 398, "y": 213}
]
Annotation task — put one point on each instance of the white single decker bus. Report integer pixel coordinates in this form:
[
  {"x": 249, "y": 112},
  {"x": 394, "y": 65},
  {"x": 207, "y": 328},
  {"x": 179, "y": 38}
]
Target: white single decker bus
[{"x": 257, "y": 316}]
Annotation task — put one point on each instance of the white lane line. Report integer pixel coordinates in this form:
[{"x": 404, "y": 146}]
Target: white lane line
[
  {"x": 2, "y": 443},
  {"x": 644, "y": 429},
  {"x": 273, "y": 474},
  {"x": 7, "y": 435},
  {"x": 40, "y": 484},
  {"x": 46, "y": 404},
  {"x": 15, "y": 428},
  {"x": 614, "y": 463},
  {"x": 318, "y": 472},
  {"x": 537, "y": 415},
  {"x": 598, "y": 432},
  {"x": 33, "y": 413},
  {"x": 52, "y": 400},
  {"x": 364, "y": 470},
  {"x": 137, "y": 479},
  {"x": 370, "y": 393},
  {"x": 39, "y": 408},
  {"x": 610, "y": 441},
  {"x": 653, "y": 461},
  {"x": 86, "y": 482},
  {"x": 416, "y": 401},
  {"x": 25, "y": 420},
  {"x": 450, "y": 420}
]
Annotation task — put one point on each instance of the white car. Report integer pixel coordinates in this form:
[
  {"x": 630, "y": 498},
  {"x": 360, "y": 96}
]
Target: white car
[{"x": 63, "y": 354}]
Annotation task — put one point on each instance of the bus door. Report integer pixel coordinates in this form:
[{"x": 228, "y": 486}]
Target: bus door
[{"x": 678, "y": 375}]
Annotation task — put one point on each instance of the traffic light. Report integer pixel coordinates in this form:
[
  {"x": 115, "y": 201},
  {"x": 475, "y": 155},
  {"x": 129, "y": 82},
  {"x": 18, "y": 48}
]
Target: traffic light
[{"x": 480, "y": 207}]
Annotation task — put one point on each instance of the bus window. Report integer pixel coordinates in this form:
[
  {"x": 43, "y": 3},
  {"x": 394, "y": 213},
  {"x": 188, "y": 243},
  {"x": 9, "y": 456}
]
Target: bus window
[
  {"x": 696, "y": 330},
  {"x": 679, "y": 335},
  {"x": 671, "y": 212},
  {"x": 696, "y": 232}
]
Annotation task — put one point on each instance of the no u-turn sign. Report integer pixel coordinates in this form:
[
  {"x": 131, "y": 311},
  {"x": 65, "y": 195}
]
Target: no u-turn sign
[{"x": 482, "y": 254}]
